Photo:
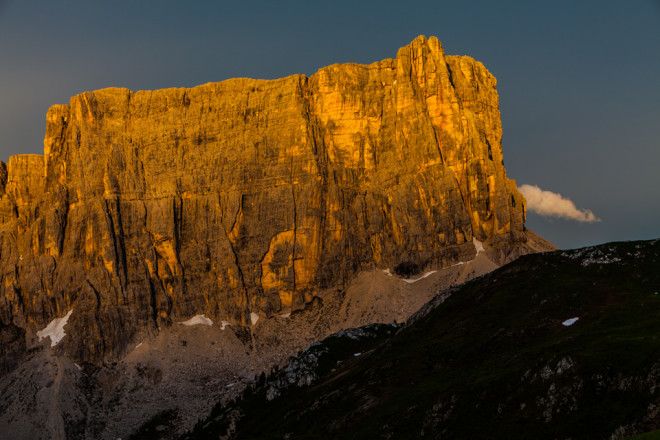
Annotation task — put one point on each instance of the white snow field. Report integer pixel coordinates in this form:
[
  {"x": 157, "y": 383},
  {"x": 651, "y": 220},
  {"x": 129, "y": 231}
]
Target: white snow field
[
  {"x": 197, "y": 320},
  {"x": 55, "y": 330},
  {"x": 478, "y": 246}
]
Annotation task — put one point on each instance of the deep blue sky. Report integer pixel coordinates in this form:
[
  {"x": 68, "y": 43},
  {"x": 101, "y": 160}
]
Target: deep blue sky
[{"x": 579, "y": 81}]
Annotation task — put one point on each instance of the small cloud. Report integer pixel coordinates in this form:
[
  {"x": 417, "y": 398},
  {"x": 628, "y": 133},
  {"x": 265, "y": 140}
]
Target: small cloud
[{"x": 550, "y": 204}]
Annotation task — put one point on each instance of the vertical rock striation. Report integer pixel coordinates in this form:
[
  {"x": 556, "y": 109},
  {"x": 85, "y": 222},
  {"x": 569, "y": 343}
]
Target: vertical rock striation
[{"x": 249, "y": 196}]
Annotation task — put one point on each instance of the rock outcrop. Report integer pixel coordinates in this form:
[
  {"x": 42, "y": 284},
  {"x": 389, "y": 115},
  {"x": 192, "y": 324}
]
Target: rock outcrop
[{"x": 246, "y": 197}]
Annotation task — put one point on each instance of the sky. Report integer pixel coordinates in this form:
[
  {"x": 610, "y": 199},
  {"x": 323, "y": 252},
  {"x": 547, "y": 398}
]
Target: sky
[{"x": 579, "y": 82}]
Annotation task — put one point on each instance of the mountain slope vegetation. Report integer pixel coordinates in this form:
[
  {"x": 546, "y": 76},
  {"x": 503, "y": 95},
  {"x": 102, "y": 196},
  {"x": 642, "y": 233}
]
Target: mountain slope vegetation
[{"x": 501, "y": 357}]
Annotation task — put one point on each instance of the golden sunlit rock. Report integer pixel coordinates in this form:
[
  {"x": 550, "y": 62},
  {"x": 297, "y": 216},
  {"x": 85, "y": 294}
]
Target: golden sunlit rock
[{"x": 248, "y": 196}]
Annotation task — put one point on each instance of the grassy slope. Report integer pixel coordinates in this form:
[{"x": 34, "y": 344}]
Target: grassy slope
[
  {"x": 655, "y": 435},
  {"x": 495, "y": 361}
]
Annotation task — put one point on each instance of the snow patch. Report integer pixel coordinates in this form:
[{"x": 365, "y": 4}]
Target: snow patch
[
  {"x": 55, "y": 330},
  {"x": 478, "y": 246},
  {"x": 357, "y": 354},
  {"x": 197, "y": 320},
  {"x": 569, "y": 322},
  {"x": 592, "y": 255},
  {"x": 224, "y": 324},
  {"x": 597, "y": 259},
  {"x": 254, "y": 317},
  {"x": 414, "y": 280}
]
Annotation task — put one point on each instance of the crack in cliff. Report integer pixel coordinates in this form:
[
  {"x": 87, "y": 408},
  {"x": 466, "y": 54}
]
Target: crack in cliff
[
  {"x": 246, "y": 296},
  {"x": 450, "y": 75},
  {"x": 64, "y": 222},
  {"x": 153, "y": 302},
  {"x": 319, "y": 150},
  {"x": 18, "y": 292},
  {"x": 177, "y": 214},
  {"x": 97, "y": 314},
  {"x": 295, "y": 222},
  {"x": 117, "y": 237}
]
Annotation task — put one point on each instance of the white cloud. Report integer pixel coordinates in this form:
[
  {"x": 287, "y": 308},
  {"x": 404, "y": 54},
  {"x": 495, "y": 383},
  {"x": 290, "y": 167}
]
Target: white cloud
[{"x": 550, "y": 204}]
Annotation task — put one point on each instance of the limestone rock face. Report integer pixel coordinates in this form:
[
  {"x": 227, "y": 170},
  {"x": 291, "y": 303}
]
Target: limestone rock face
[{"x": 248, "y": 196}]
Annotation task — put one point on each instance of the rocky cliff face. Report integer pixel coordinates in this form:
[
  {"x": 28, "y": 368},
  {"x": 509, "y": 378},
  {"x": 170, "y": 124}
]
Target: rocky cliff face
[{"x": 246, "y": 197}]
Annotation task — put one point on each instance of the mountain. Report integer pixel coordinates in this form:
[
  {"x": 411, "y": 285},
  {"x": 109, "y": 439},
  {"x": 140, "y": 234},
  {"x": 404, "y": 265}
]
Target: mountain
[
  {"x": 554, "y": 345},
  {"x": 171, "y": 244},
  {"x": 249, "y": 196}
]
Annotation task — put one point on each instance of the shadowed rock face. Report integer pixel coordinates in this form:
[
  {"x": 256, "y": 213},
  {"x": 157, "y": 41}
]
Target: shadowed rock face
[{"x": 248, "y": 196}]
